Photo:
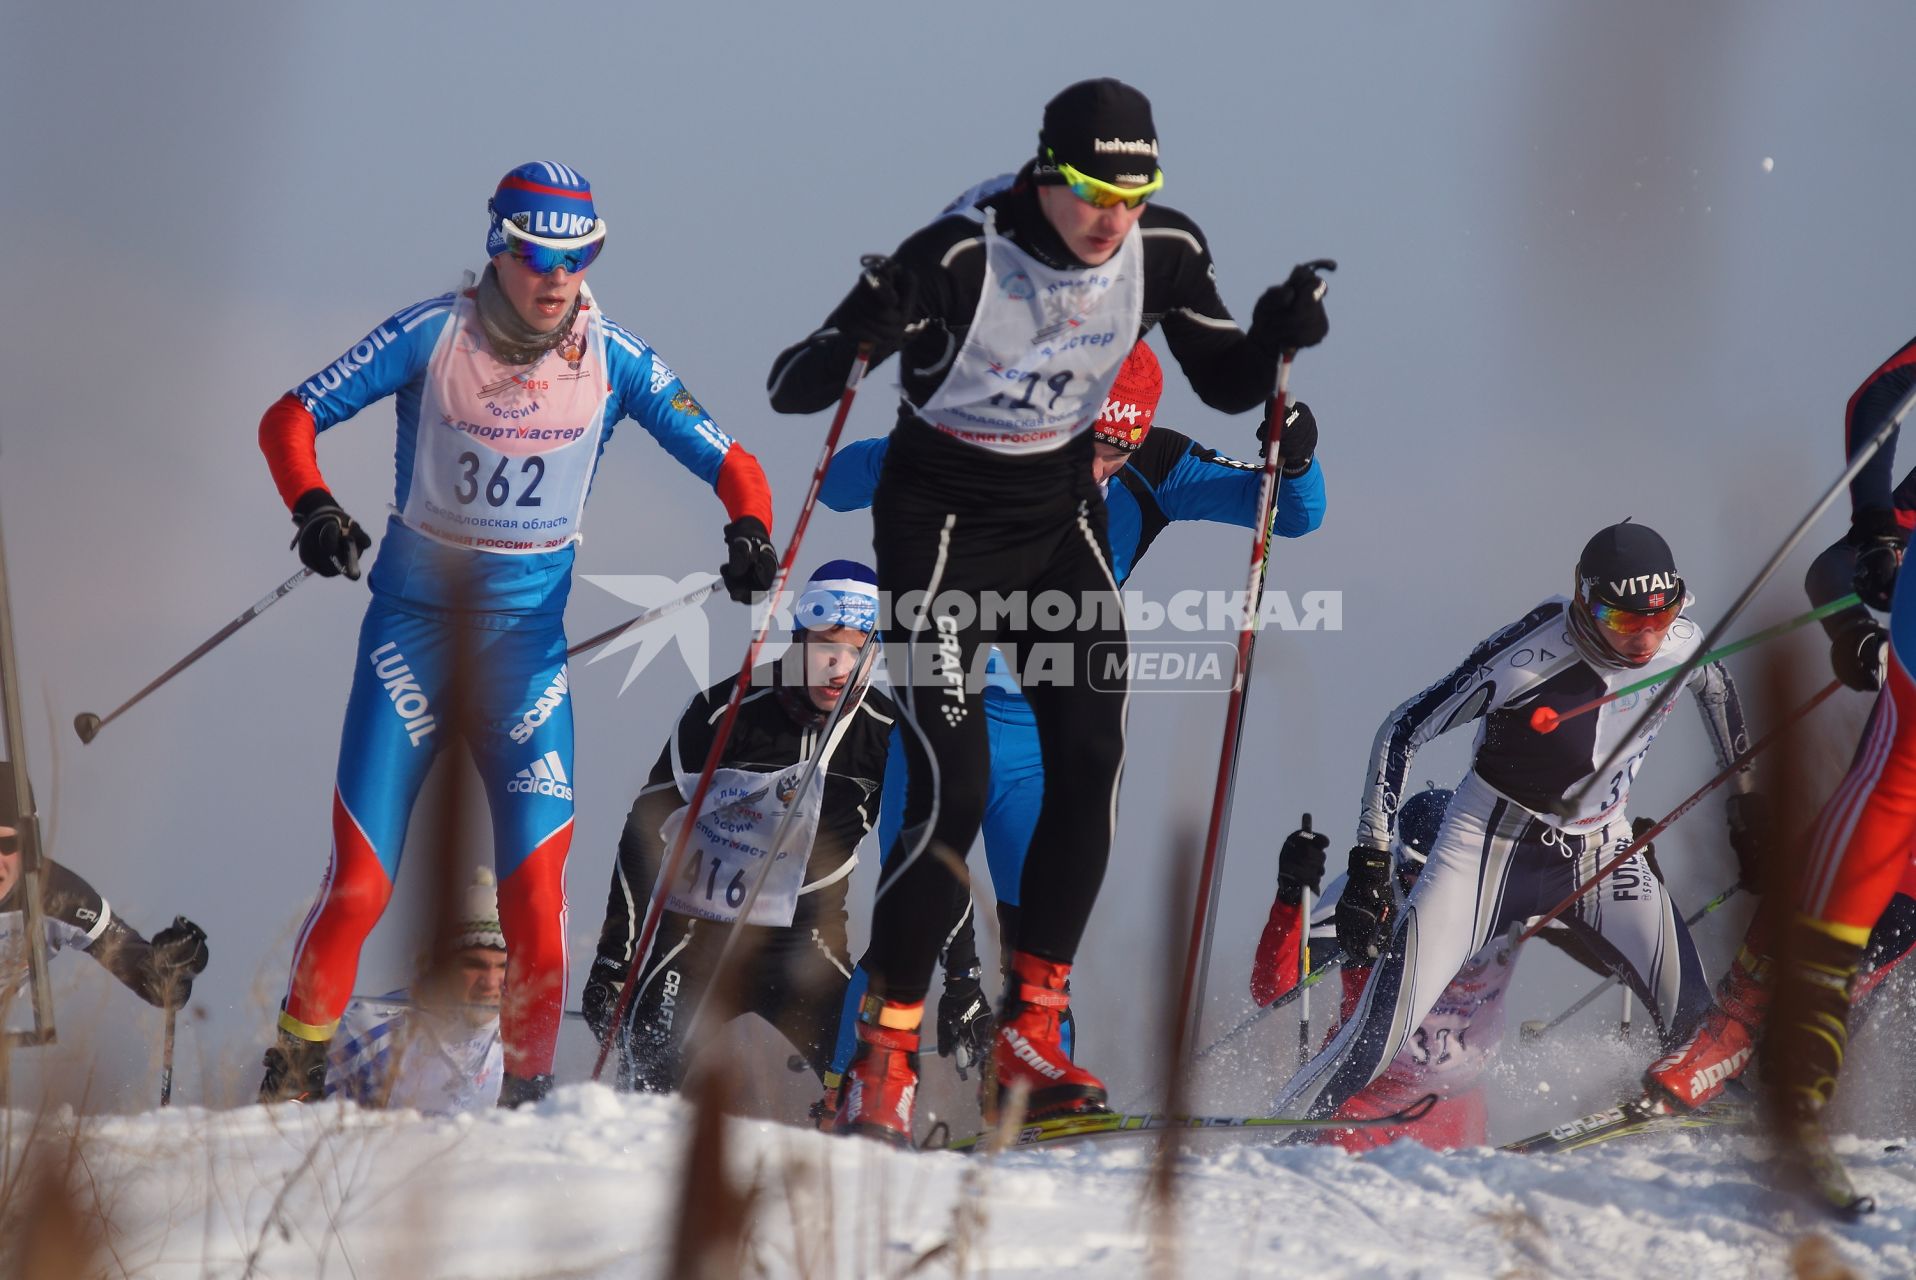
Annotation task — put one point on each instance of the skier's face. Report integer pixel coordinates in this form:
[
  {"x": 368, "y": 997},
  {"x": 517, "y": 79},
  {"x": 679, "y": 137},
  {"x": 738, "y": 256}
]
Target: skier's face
[
  {"x": 1090, "y": 233},
  {"x": 1106, "y": 461},
  {"x": 480, "y": 973},
  {"x": 831, "y": 654},
  {"x": 542, "y": 301},
  {"x": 1637, "y": 648},
  {"x": 9, "y": 859}
]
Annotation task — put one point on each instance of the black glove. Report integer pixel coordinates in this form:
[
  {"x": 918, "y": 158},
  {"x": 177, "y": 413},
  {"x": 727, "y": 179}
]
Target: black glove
[
  {"x": 1751, "y": 825},
  {"x": 751, "y": 561},
  {"x": 329, "y": 541},
  {"x": 1639, "y": 826},
  {"x": 179, "y": 955},
  {"x": 602, "y": 987},
  {"x": 1291, "y": 315},
  {"x": 1878, "y": 538},
  {"x": 1366, "y": 910},
  {"x": 1858, "y": 656},
  {"x": 1300, "y": 865},
  {"x": 879, "y": 306},
  {"x": 965, "y": 1023},
  {"x": 1298, "y": 443}
]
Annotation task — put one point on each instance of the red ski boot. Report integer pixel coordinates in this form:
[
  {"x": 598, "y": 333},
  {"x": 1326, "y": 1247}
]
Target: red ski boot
[
  {"x": 881, "y": 1084},
  {"x": 1721, "y": 1047},
  {"x": 1028, "y": 1051}
]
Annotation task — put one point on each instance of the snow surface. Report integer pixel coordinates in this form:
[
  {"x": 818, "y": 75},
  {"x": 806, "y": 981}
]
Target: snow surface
[{"x": 587, "y": 1185}]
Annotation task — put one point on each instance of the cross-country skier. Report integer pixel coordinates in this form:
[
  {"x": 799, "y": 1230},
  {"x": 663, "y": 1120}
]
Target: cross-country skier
[
  {"x": 792, "y": 964},
  {"x": 1856, "y": 916},
  {"x": 1458, "y": 1039},
  {"x": 506, "y": 393},
  {"x": 160, "y": 972},
  {"x": 1503, "y": 855},
  {"x": 1151, "y": 478},
  {"x": 1011, "y": 318},
  {"x": 433, "y": 1047}
]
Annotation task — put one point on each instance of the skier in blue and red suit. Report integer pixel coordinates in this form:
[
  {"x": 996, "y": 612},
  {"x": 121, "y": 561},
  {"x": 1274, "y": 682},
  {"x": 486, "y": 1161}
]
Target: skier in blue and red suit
[{"x": 506, "y": 394}]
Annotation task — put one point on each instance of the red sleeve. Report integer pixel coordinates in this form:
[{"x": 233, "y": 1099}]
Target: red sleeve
[
  {"x": 1274, "y": 971},
  {"x": 741, "y": 486},
  {"x": 286, "y": 436}
]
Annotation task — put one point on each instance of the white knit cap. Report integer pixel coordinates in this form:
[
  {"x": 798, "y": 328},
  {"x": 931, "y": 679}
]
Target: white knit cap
[{"x": 478, "y": 923}]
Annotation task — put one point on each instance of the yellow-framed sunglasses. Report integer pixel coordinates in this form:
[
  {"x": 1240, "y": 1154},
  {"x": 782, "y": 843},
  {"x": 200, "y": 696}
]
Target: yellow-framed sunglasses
[{"x": 1100, "y": 194}]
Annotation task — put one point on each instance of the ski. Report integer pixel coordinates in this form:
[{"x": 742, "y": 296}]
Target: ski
[
  {"x": 1110, "y": 1124},
  {"x": 1638, "y": 1116},
  {"x": 1823, "y": 1175}
]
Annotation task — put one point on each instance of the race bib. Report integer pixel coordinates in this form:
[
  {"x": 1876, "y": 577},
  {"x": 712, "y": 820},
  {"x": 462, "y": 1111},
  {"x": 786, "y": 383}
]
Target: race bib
[
  {"x": 1043, "y": 349},
  {"x": 504, "y": 453},
  {"x": 734, "y": 835}
]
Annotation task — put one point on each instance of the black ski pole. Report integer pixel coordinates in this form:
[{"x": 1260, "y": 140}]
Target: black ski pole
[{"x": 166, "y": 1057}]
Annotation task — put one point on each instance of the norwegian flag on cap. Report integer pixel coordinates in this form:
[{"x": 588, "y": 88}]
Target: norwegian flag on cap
[{"x": 1126, "y": 417}]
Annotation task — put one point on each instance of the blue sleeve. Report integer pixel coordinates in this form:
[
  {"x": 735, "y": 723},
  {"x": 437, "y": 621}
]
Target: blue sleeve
[
  {"x": 1868, "y": 409},
  {"x": 1300, "y": 503},
  {"x": 645, "y": 389},
  {"x": 852, "y": 478},
  {"x": 391, "y": 357}
]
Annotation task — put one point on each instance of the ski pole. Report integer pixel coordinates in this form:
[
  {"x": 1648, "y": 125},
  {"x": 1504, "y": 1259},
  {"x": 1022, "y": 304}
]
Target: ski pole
[
  {"x": 854, "y": 691},
  {"x": 1536, "y": 926},
  {"x": 1546, "y": 720},
  {"x": 88, "y": 725},
  {"x": 669, "y": 872},
  {"x": 1304, "y": 966},
  {"x": 1211, "y": 870},
  {"x": 166, "y": 1058},
  {"x": 1710, "y": 641},
  {"x": 696, "y": 596},
  {"x": 1534, "y": 1030},
  {"x": 1623, "y": 1027}
]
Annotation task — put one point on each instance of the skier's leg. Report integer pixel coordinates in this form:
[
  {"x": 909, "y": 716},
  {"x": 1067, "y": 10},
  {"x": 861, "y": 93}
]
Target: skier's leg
[
  {"x": 672, "y": 983},
  {"x": 804, "y": 990},
  {"x": 1631, "y": 926},
  {"x": 1860, "y": 849},
  {"x": 1462, "y": 898},
  {"x": 392, "y": 733},
  {"x": 527, "y": 771}
]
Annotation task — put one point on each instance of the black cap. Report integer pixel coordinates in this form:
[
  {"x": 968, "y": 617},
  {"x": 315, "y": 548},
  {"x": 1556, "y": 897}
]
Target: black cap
[
  {"x": 1630, "y": 567},
  {"x": 1101, "y": 128}
]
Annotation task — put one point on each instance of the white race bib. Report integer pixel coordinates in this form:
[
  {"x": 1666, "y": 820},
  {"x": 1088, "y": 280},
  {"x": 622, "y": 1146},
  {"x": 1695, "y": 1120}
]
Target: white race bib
[
  {"x": 1043, "y": 349},
  {"x": 504, "y": 453},
  {"x": 733, "y": 837}
]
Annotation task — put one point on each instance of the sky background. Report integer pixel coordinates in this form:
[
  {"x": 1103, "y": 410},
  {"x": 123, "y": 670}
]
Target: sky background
[{"x": 1569, "y": 293}]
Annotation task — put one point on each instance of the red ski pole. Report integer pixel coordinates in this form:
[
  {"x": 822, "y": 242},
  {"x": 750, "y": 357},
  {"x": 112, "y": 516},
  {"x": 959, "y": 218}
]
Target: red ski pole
[
  {"x": 1211, "y": 870},
  {"x": 1695, "y": 797},
  {"x": 669, "y": 873}
]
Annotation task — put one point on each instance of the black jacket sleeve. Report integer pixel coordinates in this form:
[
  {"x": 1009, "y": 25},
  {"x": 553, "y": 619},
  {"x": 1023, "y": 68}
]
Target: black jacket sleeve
[{"x": 1229, "y": 372}]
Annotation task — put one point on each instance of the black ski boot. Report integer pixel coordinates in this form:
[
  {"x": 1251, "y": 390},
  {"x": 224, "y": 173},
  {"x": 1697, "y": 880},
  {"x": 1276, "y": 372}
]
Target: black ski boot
[
  {"x": 518, "y": 1091},
  {"x": 295, "y": 1070}
]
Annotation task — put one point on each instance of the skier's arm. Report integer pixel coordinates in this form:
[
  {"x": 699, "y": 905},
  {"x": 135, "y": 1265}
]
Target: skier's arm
[
  {"x": 386, "y": 362},
  {"x": 647, "y": 391},
  {"x": 852, "y": 478},
  {"x": 1868, "y": 409},
  {"x": 1203, "y": 484},
  {"x": 1229, "y": 371},
  {"x": 810, "y": 375},
  {"x": 1722, "y": 712},
  {"x": 1465, "y": 694}
]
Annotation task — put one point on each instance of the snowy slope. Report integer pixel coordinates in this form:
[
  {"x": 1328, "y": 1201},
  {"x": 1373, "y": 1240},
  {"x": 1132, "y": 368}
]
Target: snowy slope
[{"x": 588, "y": 1186}]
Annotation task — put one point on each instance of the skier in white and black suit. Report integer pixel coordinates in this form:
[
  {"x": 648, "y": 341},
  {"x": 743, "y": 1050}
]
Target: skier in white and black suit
[
  {"x": 1502, "y": 855},
  {"x": 1010, "y": 318}
]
